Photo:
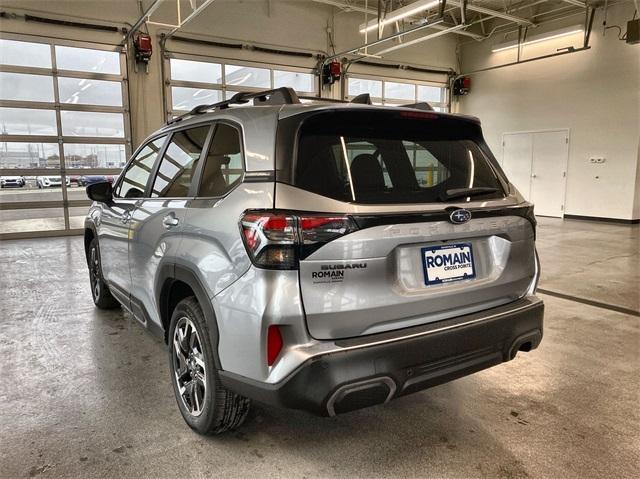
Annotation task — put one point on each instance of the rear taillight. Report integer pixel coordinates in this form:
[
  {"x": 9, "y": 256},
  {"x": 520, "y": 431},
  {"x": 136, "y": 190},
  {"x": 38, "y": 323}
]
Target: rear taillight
[{"x": 276, "y": 240}]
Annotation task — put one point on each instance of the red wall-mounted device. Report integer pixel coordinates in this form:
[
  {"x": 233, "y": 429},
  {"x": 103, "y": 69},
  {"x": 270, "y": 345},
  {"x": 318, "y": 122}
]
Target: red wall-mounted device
[
  {"x": 143, "y": 47},
  {"x": 461, "y": 86},
  {"x": 331, "y": 73}
]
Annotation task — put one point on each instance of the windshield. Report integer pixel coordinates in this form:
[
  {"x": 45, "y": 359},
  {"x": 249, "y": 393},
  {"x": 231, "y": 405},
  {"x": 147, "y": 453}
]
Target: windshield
[{"x": 379, "y": 157}]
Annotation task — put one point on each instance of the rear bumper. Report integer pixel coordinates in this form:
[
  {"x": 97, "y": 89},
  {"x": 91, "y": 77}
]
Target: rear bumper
[{"x": 376, "y": 368}]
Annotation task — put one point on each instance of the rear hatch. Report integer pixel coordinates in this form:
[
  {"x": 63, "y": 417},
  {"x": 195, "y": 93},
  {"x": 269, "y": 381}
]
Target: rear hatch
[{"x": 434, "y": 232}]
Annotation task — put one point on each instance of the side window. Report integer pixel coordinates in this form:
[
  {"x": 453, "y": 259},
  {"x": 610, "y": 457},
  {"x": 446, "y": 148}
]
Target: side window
[
  {"x": 135, "y": 177},
  {"x": 223, "y": 167},
  {"x": 179, "y": 163}
]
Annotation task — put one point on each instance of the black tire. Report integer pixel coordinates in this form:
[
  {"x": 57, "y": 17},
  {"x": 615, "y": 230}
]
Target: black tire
[
  {"x": 100, "y": 293},
  {"x": 220, "y": 410}
]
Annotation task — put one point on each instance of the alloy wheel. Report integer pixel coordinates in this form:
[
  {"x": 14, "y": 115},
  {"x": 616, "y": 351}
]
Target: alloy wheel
[
  {"x": 189, "y": 366},
  {"x": 94, "y": 273}
]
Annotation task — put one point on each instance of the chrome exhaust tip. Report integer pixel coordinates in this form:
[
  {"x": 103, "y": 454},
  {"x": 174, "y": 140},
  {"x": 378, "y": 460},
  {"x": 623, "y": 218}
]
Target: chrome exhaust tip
[{"x": 361, "y": 394}]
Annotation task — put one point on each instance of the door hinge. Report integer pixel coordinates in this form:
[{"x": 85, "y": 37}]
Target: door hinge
[
  {"x": 561, "y": 207},
  {"x": 566, "y": 140},
  {"x": 564, "y": 174}
]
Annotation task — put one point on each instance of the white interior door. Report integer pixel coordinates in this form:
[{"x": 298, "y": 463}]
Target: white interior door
[
  {"x": 517, "y": 156},
  {"x": 536, "y": 163},
  {"x": 548, "y": 173}
]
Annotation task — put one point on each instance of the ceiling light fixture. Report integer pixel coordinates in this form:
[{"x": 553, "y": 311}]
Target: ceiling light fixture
[
  {"x": 572, "y": 30},
  {"x": 400, "y": 13}
]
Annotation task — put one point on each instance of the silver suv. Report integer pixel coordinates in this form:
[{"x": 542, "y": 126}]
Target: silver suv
[{"x": 317, "y": 256}]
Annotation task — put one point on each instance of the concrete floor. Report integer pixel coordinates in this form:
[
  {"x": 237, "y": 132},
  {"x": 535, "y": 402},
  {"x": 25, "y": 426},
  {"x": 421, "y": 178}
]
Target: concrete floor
[{"x": 86, "y": 393}]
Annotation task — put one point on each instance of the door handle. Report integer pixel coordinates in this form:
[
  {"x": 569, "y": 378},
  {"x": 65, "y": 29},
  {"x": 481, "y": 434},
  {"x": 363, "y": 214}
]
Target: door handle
[{"x": 170, "y": 221}]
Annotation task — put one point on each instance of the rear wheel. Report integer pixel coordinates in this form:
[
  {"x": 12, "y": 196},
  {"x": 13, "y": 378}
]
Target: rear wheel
[
  {"x": 206, "y": 405},
  {"x": 102, "y": 297}
]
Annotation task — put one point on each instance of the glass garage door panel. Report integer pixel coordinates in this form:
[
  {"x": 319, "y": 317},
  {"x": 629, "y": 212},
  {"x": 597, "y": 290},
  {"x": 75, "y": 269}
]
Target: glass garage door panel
[
  {"x": 430, "y": 93},
  {"x": 25, "y": 121},
  {"x": 29, "y": 155},
  {"x": 77, "y": 215},
  {"x": 94, "y": 156},
  {"x": 24, "y": 87},
  {"x": 300, "y": 82},
  {"x": 358, "y": 86},
  {"x": 23, "y": 187},
  {"x": 87, "y": 60},
  {"x": 399, "y": 91},
  {"x": 184, "y": 99},
  {"x": 94, "y": 124},
  {"x": 247, "y": 76},
  {"x": 25, "y": 54},
  {"x": 87, "y": 91},
  {"x": 83, "y": 156},
  {"x": 202, "y": 72},
  {"x": 31, "y": 219}
]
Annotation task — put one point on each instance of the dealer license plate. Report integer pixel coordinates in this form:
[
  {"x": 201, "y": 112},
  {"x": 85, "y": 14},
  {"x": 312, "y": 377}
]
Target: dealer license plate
[{"x": 447, "y": 263}]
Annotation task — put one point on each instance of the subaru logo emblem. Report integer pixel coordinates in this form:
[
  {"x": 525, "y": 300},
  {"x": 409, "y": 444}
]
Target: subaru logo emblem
[{"x": 460, "y": 216}]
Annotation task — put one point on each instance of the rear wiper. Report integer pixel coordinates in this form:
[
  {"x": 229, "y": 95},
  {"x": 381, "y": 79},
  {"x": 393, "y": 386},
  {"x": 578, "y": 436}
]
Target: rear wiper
[{"x": 462, "y": 192}]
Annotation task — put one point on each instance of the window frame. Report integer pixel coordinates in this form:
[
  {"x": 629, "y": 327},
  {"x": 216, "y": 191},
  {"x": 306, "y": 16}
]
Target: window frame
[
  {"x": 197, "y": 178},
  {"x": 118, "y": 182},
  {"x": 65, "y": 203},
  {"x": 223, "y": 87},
  {"x": 444, "y": 104}
]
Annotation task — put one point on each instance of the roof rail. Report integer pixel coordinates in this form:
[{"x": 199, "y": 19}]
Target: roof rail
[
  {"x": 277, "y": 96},
  {"x": 422, "y": 105},
  {"x": 321, "y": 99}
]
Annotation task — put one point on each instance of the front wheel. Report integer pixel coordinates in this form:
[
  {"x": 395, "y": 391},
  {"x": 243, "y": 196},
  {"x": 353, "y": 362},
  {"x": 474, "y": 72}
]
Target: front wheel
[
  {"x": 102, "y": 297},
  {"x": 206, "y": 405}
]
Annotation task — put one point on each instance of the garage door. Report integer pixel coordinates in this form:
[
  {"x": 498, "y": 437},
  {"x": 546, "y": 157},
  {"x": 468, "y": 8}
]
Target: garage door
[
  {"x": 193, "y": 80},
  {"x": 393, "y": 92},
  {"x": 63, "y": 123}
]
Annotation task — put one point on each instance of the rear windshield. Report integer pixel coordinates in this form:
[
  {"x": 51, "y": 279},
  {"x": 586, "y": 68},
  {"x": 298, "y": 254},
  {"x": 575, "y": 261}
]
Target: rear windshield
[{"x": 398, "y": 157}]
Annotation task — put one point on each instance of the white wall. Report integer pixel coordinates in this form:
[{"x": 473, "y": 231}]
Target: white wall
[
  {"x": 294, "y": 25},
  {"x": 595, "y": 93}
]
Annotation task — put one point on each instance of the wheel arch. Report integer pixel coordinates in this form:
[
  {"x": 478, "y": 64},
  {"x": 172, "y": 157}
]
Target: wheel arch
[
  {"x": 176, "y": 282},
  {"x": 89, "y": 235}
]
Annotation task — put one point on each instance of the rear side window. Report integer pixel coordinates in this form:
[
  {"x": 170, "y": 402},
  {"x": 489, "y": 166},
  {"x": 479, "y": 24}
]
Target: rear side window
[
  {"x": 178, "y": 163},
  {"x": 223, "y": 166},
  {"x": 381, "y": 157},
  {"x": 134, "y": 179}
]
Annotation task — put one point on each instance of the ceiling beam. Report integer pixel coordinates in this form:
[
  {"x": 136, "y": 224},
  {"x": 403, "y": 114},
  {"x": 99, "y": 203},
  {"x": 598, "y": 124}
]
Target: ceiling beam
[
  {"x": 577, "y": 3},
  {"x": 465, "y": 33},
  {"x": 143, "y": 18},
  {"x": 355, "y": 8},
  {"x": 493, "y": 13},
  {"x": 357, "y": 50},
  {"x": 191, "y": 16},
  {"x": 419, "y": 40}
]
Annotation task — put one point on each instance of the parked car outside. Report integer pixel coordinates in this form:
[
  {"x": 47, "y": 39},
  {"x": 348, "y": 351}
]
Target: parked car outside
[
  {"x": 323, "y": 257},
  {"x": 50, "y": 181},
  {"x": 12, "y": 181},
  {"x": 86, "y": 180}
]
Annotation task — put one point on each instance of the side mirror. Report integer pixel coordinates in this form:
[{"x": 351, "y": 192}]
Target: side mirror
[{"x": 102, "y": 192}]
